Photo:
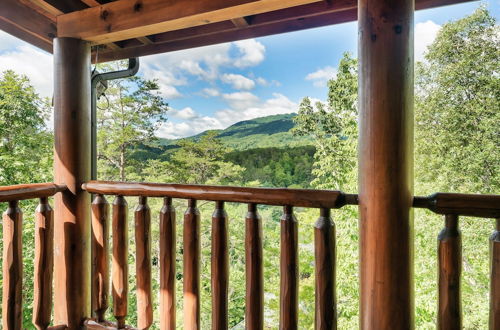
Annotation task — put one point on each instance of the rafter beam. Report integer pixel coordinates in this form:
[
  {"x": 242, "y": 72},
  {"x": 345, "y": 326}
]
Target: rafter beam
[
  {"x": 127, "y": 19},
  {"x": 26, "y": 24}
]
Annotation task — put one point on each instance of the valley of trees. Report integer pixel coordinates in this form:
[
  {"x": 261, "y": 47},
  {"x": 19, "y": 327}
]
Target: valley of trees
[{"x": 457, "y": 139}]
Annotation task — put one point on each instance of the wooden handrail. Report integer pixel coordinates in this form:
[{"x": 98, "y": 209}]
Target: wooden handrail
[
  {"x": 267, "y": 196},
  {"x": 29, "y": 191},
  {"x": 484, "y": 206}
]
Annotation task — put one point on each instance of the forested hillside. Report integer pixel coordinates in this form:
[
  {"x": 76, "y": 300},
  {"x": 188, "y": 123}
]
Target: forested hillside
[{"x": 265, "y": 147}]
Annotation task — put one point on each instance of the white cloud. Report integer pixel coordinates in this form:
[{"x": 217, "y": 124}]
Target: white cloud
[
  {"x": 240, "y": 100},
  {"x": 321, "y": 76},
  {"x": 195, "y": 126},
  {"x": 210, "y": 92},
  {"x": 425, "y": 33},
  {"x": 186, "y": 113},
  {"x": 251, "y": 53},
  {"x": 34, "y": 63},
  {"x": 238, "y": 81}
]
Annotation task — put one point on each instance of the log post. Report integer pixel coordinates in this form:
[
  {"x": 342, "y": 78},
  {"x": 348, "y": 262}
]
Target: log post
[
  {"x": 72, "y": 168},
  {"x": 385, "y": 155}
]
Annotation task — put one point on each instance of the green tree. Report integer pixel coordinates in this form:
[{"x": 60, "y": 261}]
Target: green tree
[
  {"x": 334, "y": 129},
  {"x": 458, "y": 107},
  {"x": 201, "y": 161},
  {"x": 25, "y": 142},
  {"x": 130, "y": 113}
]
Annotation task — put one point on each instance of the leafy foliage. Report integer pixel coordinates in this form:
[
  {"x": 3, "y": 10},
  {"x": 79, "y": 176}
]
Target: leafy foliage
[
  {"x": 130, "y": 114},
  {"x": 25, "y": 143},
  {"x": 333, "y": 127},
  {"x": 458, "y": 107}
]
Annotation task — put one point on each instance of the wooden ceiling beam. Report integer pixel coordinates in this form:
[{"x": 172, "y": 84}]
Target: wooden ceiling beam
[
  {"x": 26, "y": 23},
  {"x": 232, "y": 35},
  {"x": 25, "y": 36},
  {"x": 67, "y": 6},
  {"x": 125, "y": 19}
]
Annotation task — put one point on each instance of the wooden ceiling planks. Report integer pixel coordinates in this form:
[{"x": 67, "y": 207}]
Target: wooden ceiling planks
[
  {"x": 130, "y": 28},
  {"x": 127, "y": 19}
]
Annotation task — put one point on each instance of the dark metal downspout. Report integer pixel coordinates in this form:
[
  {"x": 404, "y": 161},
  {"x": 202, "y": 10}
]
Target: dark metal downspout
[{"x": 133, "y": 67}]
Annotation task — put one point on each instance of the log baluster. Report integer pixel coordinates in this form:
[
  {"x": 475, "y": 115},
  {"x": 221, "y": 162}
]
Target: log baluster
[
  {"x": 44, "y": 264},
  {"x": 324, "y": 252},
  {"x": 143, "y": 264},
  {"x": 12, "y": 304},
  {"x": 495, "y": 277},
  {"x": 254, "y": 307},
  {"x": 120, "y": 260},
  {"x": 450, "y": 267},
  {"x": 220, "y": 267},
  {"x": 192, "y": 266},
  {"x": 289, "y": 270},
  {"x": 100, "y": 256},
  {"x": 167, "y": 265}
]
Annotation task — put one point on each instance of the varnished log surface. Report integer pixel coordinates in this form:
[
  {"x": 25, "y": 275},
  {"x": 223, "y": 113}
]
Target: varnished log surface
[
  {"x": 220, "y": 267},
  {"x": 120, "y": 260},
  {"x": 167, "y": 265},
  {"x": 191, "y": 267},
  {"x": 100, "y": 256},
  {"x": 29, "y": 191},
  {"x": 289, "y": 271},
  {"x": 267, "y": 196},
  {"x": 44, "y": 264},
  {"x": 450, "y": 267},
  {"x": 325, "y": 317},
  {"x": 143, "y": 264},
  {"x": 495, "y": 277},
  {"x": 12, "y": 299},
  {"x": 486, "y": 206},
  {"x": 254, "y": 299},
  {"x": 385, "y": 157},
  {"x": 72, "y": 244}
]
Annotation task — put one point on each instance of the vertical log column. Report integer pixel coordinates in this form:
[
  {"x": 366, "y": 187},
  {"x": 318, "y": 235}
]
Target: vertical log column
[
  {"x": 12, "y": 300},
  {"x": 191, "y": 267},
  {"x": 254, "y": 298},
  {"x": 220, "y": 267},
  {"x": 167, "y": 265},
  {"x": 44, "y": 264},
  {"x": 289, "y": 270},
  {"x": 72, "y": 168},
  {"x": 450, "y": 268},
  {"x": 386, "y": 163},
  {"x": 495, "y": 277}
]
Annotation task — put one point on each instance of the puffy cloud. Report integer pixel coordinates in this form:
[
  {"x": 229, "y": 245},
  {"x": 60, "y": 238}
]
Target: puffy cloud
[
  {"x": 34, "y": 63},
  {"x": 195, "y": 126},
  {"x": 321, "y": 76},
  {"x": 425, "y": 33},
  {"x": 251, "y": 53},
  {"x": 186, "y": 113},
  {"x": 210, "y": 92},
  {"x": 240, "y": 100},
  {"x": 238, "y": 81}
]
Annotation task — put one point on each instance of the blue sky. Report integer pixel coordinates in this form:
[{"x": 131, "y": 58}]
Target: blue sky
[{"x": 216, "y": 86}]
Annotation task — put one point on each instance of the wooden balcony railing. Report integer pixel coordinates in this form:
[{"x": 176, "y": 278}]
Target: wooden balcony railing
[
  {"x": 12, "y": 303},
  {"x": 449, "y": 253}
]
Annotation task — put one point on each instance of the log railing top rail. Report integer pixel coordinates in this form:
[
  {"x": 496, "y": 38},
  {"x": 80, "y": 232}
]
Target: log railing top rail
[
  {"x": 267, "y": 196},
  {"x": 29, "y": 191},
  {"x": 483, "y": 206}
]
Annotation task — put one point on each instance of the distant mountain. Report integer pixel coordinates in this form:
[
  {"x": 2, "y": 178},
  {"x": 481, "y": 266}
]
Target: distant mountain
[{"x": 263, "y": 132}]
